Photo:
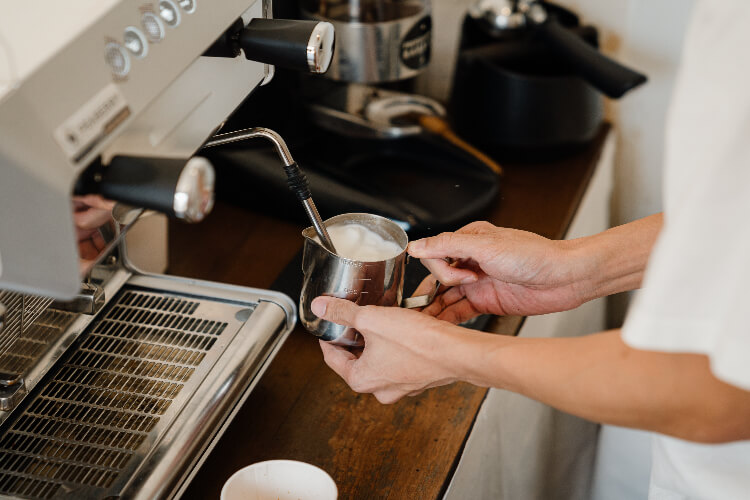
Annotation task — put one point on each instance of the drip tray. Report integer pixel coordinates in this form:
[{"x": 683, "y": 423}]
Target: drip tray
[{"x": 135, "y": 402}]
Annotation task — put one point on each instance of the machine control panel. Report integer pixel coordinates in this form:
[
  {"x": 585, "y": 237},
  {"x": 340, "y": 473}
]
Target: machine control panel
[
  {"x": 135, "y": 41},
  {"x": 108, "y": 78}
]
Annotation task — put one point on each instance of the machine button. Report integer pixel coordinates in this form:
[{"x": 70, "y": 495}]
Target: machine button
[
  {"x": 169, "y": 13},
  {"x": 117, "y": 58},
  {"x": 187, "y": 5},
  {"x": 135, "y": 41},
  {"x": 153, "y": 27}
]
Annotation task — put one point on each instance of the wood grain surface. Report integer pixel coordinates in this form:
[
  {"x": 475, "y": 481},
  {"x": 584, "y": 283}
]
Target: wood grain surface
[{"x": 301, "y": 410}]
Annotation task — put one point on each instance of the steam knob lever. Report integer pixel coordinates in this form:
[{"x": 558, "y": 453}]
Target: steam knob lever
[
  {"x": 293, "y": 44},
  {"x": 173, "y": 186}
]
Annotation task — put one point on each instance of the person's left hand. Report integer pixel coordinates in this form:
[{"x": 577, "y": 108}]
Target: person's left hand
[{"x": 405, "y": 351}]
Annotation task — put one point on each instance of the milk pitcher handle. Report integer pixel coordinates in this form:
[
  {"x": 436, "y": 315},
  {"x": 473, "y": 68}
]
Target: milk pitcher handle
[{"x": 419, "y": 300}]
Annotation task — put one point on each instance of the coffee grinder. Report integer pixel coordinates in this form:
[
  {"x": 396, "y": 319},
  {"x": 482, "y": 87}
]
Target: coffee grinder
[{"x": 377, "y": 40}]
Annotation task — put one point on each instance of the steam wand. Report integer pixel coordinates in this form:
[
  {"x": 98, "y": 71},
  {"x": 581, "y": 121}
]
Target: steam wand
[{"x": 295, "y": 177}]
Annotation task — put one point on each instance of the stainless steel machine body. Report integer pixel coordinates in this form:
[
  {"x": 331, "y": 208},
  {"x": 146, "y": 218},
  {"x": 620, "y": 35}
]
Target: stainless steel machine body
[
  {"x": 72, "y": 90},
  {"x": 135, "y": 396},
  {"x": 133, "y": 404},
  {"x": 117, "y": 387}
]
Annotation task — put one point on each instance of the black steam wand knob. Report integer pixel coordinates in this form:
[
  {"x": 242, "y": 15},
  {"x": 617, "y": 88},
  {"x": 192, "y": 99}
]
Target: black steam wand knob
[
  {"x": 293, "y": 44},
  {"x": 287, "y": 43},
  {"x": 174, "y": 186}
]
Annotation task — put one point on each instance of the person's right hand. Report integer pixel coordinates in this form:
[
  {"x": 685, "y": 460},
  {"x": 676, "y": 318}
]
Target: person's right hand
[{"x": 493, "y": 270}]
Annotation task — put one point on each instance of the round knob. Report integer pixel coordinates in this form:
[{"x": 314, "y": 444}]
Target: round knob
[
  {"x": 187, "y": 5},
  {"x": 194, "y": 194},
  {"x": 117, "y": 58},
  {"x": 169, "y": 13},
  {"x": 135, "y": 42},
  {"x": 320, "y": 48},
  {"x": 153, "y": 26}
]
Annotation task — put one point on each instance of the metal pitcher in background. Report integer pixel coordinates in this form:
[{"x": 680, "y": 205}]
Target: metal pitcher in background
[
  {"x": 365, "y": 283},
  {"x": 376, "y": 40}
]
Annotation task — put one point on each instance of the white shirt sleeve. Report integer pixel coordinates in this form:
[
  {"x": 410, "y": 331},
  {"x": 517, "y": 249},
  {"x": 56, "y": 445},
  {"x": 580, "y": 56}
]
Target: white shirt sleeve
[{"x": 696, "y": 292}]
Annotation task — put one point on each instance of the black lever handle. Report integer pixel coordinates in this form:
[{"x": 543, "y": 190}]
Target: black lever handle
[
  {"x": 607, "y": 75},
  {"x": 178, "y": 188},
  {"x": 300, "y": 45}
]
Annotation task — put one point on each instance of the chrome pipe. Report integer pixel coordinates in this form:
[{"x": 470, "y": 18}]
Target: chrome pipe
[{"x": 297, "y": 180}]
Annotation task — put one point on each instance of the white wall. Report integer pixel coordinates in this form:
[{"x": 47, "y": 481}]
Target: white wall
[{"x": 646, "y": 34}]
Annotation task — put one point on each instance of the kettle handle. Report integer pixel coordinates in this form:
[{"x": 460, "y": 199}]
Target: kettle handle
[{"x": 605, "y": 74}]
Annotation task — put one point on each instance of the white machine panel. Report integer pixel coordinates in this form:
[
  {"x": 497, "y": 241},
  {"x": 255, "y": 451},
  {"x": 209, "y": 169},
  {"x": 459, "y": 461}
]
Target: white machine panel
[{"x": 107, "y": 77}]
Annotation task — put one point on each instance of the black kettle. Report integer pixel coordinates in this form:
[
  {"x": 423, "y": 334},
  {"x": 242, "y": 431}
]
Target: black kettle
[{"x": 529, "y": 77}]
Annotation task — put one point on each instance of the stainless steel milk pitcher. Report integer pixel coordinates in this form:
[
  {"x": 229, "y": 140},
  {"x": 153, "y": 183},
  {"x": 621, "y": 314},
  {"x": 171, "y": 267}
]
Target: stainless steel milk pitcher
[{"x": 365, "y": 283}]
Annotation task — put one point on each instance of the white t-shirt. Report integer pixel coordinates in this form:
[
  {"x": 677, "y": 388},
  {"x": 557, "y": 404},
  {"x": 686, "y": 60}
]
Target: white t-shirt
[{"x": 697, "y": 286}]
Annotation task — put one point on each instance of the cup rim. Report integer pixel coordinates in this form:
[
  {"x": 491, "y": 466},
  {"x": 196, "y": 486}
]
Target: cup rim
[
  {"x": 256, "y": 465},
  {"x": 311, "y": 229}
]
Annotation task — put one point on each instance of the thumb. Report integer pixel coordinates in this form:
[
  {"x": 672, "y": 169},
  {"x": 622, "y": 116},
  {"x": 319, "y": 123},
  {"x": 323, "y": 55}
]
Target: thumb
[{"x": 339, "y": 311}]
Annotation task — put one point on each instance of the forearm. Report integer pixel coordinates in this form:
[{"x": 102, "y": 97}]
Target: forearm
[
  {"x": 599, "y": 378},
  {"x": 615, "y": 260}
]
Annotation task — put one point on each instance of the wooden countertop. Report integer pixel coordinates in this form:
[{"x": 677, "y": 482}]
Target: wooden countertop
[{"x": 302, "y": 410}]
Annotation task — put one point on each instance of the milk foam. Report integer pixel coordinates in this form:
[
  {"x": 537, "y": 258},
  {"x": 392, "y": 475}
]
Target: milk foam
[{"x": 356, "y": 242}]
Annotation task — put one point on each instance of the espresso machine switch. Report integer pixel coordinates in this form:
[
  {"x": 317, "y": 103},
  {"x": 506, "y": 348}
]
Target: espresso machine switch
[
  {"x": 175, "y": 187},
  {"x": 292, "y": 44}
]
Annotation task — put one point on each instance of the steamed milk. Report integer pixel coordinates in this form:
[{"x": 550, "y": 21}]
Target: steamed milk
[{"x": 356, "y": 242}]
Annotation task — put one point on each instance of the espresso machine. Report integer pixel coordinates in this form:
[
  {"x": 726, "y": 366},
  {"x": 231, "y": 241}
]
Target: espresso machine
[{"x": 115, "y": 382}]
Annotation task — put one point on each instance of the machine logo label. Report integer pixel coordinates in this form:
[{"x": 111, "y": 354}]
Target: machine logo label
[
  {"x": 92, "y": 123},
  {"x": 415, "y": 47}
]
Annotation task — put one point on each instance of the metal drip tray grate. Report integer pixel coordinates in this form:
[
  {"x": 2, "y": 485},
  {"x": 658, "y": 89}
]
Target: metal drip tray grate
[
  {"x": 30, "y": 327},
  {"x": 105, "y": 405}
]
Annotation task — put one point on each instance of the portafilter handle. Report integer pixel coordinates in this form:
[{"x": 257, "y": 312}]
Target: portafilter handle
[{"x": 176, "y": 187}]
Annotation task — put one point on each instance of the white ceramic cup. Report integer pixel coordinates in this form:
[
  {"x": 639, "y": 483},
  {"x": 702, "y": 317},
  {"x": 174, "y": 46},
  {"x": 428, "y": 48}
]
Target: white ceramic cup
[{"x": 280, "y": 480}]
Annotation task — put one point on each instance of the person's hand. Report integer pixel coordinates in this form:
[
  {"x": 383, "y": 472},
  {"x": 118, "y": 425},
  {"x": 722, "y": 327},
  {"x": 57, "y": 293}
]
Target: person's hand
[
  {"x": 493, "y": 270},
  {"x": 90, "y": 213},
  {"x": 405, "y": 351}
]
